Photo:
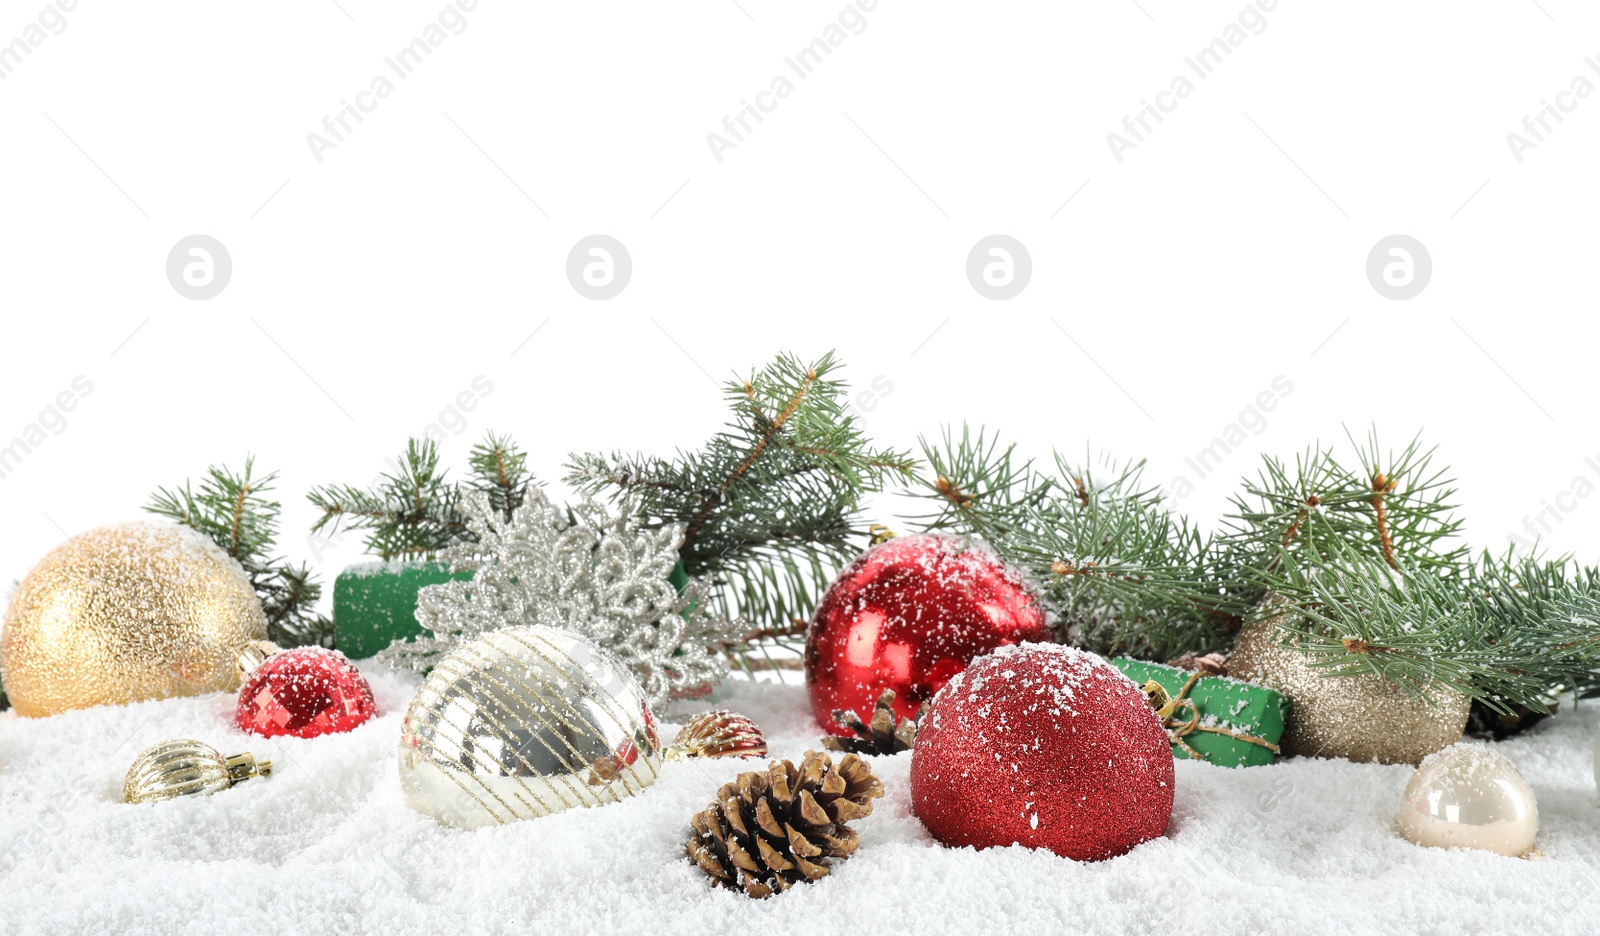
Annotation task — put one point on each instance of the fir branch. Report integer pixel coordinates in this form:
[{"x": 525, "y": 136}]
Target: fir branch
[
  {"x": 766, "y": 431},
  {"x": 977, "y": 486},
  {"x": 1508, "y": 633},
  {"x": 1380, "y": 518},
  {"x": 1376, "y": 582},
  {"x": 499, "y": 471},
  {"x": 770, "y": 505},
  {"x": 1361, "y": 616},
  {"x": 1293, "y": 519},
  {"x": 412, "y": 511},
  {"x": 231, "y": 509},
  {"x": 1545, "y": 606},
  {"x": 1118, "y": 572}
]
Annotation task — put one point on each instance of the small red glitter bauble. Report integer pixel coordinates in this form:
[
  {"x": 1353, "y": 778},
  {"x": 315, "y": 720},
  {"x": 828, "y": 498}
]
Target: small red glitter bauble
[
  {"x": 1044, "y": 746},
  {"x": 304, "y": 692},
  {"x": 907, "y": 615}
]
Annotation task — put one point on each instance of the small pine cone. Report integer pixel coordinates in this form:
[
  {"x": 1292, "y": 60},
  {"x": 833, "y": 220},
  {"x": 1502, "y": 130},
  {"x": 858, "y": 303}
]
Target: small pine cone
[
  {"x": 883, "y": 735},
  {"x": 1211, "y": 664},
  {"x": 767, "y": 831}
]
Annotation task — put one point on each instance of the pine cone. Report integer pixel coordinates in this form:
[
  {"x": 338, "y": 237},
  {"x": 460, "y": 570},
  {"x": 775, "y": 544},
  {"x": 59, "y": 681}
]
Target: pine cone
[
  {"x": 1486, "y": 723},
  {"x": 883, "y": 735},
  {"x": 767, "y": 831},
  {"x": 1211, "y": 664}
]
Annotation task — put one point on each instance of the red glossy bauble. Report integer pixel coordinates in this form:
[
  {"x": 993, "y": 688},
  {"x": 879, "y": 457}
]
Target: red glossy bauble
[
  {"x": 907, "y": 615},
  {"x": 1044, "y": 746},
  {"x": 304, "y": 692}
]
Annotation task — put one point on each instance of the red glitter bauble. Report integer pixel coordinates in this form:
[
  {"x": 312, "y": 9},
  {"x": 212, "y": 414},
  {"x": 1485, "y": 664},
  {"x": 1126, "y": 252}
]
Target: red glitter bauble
[
  {"x": 907, "y": 615},
  {"x": 1044, "y": 746},
  {"x": 304, "y": 692}
]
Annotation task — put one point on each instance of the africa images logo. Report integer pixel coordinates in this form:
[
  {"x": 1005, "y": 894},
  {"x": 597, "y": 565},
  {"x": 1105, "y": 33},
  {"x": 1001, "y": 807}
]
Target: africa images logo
[{"x": 51, "y": 421}]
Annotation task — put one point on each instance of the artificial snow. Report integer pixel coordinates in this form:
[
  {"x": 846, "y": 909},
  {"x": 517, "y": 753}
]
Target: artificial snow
[
  {"x": 376, "y": 567},
  {"x": 326, "y": 846}
]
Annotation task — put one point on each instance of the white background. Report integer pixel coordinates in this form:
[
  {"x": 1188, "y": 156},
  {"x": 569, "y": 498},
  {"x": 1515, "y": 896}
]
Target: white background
[{"x": 370, "y": 289}]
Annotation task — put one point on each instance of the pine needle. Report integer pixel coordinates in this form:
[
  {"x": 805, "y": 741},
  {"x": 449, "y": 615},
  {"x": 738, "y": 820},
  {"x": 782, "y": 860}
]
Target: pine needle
[
  {"x": 771, "y": 505},
  {"x": 232, "y": 510}
]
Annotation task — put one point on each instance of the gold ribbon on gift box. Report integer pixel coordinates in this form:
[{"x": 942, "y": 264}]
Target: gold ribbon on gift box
[{"x": 1169, "y": 708}]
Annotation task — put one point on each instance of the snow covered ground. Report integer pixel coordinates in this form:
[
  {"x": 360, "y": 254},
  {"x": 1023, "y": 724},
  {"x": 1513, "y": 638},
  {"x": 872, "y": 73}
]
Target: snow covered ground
[{"x": 327, "y": 846}]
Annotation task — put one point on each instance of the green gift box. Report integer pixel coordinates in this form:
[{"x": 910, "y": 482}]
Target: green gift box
[
  {"x": 1213, "y": 718},
  {"x": 375, "y": 604}
]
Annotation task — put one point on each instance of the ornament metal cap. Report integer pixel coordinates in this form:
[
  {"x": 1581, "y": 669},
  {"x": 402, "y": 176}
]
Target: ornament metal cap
[
  {"x": 242, "y": 767},
  {"x": 1159, "y": 698},
  {"x": 249, "y": 657},
  {"x": 185, "y": 767}
]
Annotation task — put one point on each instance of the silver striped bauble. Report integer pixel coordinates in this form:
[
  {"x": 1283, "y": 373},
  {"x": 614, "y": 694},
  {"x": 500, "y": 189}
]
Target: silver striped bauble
[{"x": 525, "y": 722}]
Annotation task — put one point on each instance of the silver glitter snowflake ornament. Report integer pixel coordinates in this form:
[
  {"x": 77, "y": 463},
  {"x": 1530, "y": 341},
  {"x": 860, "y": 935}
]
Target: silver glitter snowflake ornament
[{"x": 604, "y": 576}]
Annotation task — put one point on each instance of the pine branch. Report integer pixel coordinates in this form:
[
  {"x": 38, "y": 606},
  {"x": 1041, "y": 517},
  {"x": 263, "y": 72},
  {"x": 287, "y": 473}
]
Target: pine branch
[
  {"x": 1545, "y": 606},
  {"x": 767, "y": 430},
  {"x": 232, "y": 511},
  {"x": 1396, "y": 507},
  {"x": 770, "y": 505},
  {"x": 499, "y": 470},
  {"x": 1117, "y": 571},
  {"x": 412, "y": 512},
  {"x": 1508, "y": 633},
  {"x": 229, "y": 509},
  {"x": 978, "y": 487}
]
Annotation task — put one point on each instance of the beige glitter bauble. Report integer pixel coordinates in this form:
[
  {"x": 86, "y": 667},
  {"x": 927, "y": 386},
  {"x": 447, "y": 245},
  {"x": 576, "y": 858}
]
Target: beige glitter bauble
[
  {"x": 1362, "y": 718},
  {"x": 126, "y": 613}
]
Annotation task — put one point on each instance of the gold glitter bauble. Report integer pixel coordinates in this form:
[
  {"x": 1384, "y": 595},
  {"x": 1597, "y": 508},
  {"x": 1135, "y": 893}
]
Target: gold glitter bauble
[
  {"x": 126, "y": 613},
  {"x": 1362, "y": 718},
  {"x": 1467, "y": 796}
]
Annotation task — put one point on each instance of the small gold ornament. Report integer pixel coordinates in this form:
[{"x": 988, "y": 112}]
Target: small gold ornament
[
  {"x": 184, "y": 767},
  {"x": 1361, "y": 718},
  {"x": 524, "y": 722},
  {"x": 1467, "y": 796},
  {"x": 718, "y": 734},
  {"x": 126, "y": 613}
]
